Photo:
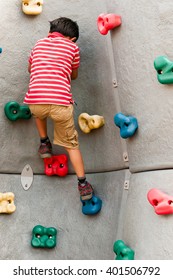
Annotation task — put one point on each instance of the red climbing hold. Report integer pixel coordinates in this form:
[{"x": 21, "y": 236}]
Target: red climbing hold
[
  {"x": 162, "y": 203},
  {"x": 56, "y": 165},
  {"x": 106, "y": 22}
]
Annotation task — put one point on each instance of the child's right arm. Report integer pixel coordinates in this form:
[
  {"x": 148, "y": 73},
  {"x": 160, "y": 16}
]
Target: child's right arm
[{"x": 29, "y": 67}]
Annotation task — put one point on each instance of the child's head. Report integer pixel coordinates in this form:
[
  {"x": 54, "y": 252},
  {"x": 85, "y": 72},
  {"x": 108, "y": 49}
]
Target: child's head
[{"x": 66, "y": 27}]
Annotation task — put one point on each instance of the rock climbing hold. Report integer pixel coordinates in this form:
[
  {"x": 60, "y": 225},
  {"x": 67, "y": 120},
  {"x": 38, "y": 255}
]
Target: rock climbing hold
[
  {"x": 106, "y": 22},
  {"x": 162, "y": 203},
  {"x": 7, "y": 203},
  {"x": 164, "y": 68},
  {"x": 43, "y": 237},
  {"x": 122, "y": 251},
  {"x": 127, "y": 124},
  {"x": 87, "y": 122},
  {"x": 14, "y": 111},
  {"x": 91, "y": 206},
  {"x": 56, "y": 165},
  {"x": 32, "y": 7}
]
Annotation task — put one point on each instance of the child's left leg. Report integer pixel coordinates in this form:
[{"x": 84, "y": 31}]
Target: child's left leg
[
  {"x": 40, "y": 112},
  {"x": 41, "y": 127},
  {"x": 45, "y": 149}
]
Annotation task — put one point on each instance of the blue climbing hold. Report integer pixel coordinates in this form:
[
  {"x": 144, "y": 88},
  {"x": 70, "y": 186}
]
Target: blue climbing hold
[
  {"x": 91, "y": 206},
  {"x": 127, "y": 124},
  {"x": 0, "y": 50}
]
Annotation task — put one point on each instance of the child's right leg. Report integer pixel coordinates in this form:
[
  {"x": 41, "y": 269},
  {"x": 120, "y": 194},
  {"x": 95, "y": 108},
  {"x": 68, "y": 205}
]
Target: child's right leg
[{"x": 85, "y": 188}]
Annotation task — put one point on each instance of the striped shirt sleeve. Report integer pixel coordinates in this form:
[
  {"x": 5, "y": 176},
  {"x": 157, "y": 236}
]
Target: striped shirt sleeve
[{"x": 30, "y": 57}]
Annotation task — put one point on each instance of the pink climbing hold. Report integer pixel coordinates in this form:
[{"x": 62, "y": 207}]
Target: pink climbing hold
[
  {"x": 106, "y": 22},
  {"x": 162, "y": 203}
]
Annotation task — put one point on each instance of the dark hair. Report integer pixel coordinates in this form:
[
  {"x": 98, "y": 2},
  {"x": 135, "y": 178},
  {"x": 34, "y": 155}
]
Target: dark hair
[{"x": 65, "y": 26}]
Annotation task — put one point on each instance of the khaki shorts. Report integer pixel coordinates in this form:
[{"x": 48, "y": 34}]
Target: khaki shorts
[{"x": 65, "y": 133}]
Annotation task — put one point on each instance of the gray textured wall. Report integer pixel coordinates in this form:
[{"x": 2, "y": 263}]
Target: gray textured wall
[
  {"x": 126, "y": 55},
  {"x": 146, "y": 33}
]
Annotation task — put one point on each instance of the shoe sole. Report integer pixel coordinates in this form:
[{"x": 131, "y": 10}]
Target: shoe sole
[{"x": 45, "y": 155}]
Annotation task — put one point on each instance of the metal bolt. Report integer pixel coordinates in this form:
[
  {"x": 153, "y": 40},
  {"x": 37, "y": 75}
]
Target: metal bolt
[
  {"x": 126, "y": 185},
  {"x": 125, "y": 157},
  {"x": 115, "y": 83}
]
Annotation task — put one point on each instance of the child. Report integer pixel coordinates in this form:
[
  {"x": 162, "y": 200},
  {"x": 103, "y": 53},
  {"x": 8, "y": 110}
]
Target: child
[{"x": 53, "y": 62}]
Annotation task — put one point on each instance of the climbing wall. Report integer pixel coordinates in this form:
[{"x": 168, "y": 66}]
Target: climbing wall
[
  {"x": 145, "y": 35},
  {"x": 116, "y": 75},
  {"x": 54, "y": 201}
]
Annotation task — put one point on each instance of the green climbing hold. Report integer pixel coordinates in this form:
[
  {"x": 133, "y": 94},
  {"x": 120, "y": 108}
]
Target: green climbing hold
[
  {"x": 43, "y": 237},
  {"x": 164, "y": 68},
  {"x": 122, "y": 251},
  {"x": 14, "y": 111}
]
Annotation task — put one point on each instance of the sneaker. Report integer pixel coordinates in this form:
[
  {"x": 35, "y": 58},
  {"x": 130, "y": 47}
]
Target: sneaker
[
  {"x": 45, "y": 150},
  {"x": 86, "y": 191}
]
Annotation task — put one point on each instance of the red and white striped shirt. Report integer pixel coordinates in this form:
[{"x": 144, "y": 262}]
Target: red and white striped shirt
[{"x": 52, "y": 61}]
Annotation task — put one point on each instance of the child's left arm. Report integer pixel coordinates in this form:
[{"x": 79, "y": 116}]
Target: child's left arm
[{"x": 74, "y": 74}]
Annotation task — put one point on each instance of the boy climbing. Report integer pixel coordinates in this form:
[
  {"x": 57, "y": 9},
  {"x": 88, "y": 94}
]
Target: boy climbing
[{"x": 53, "y": 62}]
